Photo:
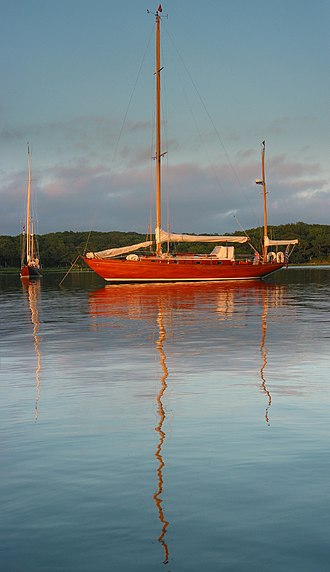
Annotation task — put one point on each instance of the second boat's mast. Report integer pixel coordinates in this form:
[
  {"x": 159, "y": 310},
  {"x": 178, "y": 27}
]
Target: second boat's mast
[{"x": 28, "y": 211}]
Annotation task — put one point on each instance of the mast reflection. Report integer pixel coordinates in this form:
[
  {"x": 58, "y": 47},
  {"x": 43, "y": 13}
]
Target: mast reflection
[
  {"x": 32, "y": 290},
  {"x": 263, "y": 352},
  {"x": 159, "y": 428}
]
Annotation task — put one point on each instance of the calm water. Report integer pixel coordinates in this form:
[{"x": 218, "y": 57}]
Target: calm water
[{"x": 165, "y": 428}]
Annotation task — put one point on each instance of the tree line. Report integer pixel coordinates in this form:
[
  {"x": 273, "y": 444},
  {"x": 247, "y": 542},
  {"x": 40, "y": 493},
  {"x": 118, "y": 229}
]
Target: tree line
[{"x": 60, "y": 249}]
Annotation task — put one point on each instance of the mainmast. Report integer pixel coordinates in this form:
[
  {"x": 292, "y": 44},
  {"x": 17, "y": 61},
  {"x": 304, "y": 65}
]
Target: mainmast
[
  {"x": 263, "y": 183},
  {"x": 158, "y": 135}
]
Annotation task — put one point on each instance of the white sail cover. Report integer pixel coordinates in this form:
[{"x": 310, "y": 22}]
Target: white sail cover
[
  {"x": 164, "y": 237},
  {"x": 111, "y": 252},
  {"x": 269, "y": 242},
  {"x": 171, "y": 237}
]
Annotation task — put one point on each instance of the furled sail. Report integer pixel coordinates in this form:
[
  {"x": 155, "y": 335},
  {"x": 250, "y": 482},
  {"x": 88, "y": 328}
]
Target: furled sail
[
  {"x": 171, "y": 237},
  {"x": 111, "y": 252},
  {"x": 269, "y": 242}
]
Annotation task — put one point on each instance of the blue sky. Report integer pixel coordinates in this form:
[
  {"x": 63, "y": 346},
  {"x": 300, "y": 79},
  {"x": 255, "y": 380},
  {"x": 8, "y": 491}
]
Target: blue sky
[{"x": 78, "y": 84}]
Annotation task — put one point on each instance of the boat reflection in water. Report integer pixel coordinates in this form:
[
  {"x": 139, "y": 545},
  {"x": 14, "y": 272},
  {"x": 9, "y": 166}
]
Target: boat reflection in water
[
  {"x": 183, "y": 310},
  {"x": 161, "y": 432},
  {"x": 31, "y": 291},
  {"x": 263, "y": 352}
]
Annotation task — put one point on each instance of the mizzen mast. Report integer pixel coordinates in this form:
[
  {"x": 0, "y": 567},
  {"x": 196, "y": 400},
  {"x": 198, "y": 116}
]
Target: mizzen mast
[{"x": 263, "y": 183}]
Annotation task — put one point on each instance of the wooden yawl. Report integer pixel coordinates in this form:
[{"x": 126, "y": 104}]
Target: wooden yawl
[
  {"x": 134, "y": 264},
  {"x": 30, "y": 262}
]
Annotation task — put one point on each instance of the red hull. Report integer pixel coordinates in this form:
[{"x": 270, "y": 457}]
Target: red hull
[
  {"x": 30, "y": 272},
  {"x": 175, "y": 270}
]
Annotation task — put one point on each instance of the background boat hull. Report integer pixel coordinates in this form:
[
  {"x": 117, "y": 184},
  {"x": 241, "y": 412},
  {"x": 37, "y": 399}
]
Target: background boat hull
[{"x": 30, "y": 272}]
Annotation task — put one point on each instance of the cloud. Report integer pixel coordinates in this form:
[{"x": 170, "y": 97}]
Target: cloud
[{"x": 89, "y": 175}]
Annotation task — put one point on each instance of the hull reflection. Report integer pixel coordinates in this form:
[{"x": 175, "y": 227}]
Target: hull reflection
[
  {"x": 221, "y": 300},
  {"x": 31, "y": 290},
  {"x": 160, "y": 304},
  {"x": 140, "y": 299}
]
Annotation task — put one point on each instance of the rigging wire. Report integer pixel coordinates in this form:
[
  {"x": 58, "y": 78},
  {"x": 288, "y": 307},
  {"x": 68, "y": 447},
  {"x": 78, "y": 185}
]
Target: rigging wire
[
  {"x": 208, "y": 115},
  {"x": 246, "y": 234},
  {"x": 128, "y": 107},
  {"x": 131, "y": 96},
  {"x": 234, "y": 172}
]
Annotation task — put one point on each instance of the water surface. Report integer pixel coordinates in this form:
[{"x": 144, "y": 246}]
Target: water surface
[{"x": 165, "y": 427}]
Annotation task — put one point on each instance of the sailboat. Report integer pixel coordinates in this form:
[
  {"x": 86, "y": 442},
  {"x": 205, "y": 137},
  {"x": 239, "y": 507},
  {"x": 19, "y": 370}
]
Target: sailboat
[
  {"x": 30, "y": 262},
  {"x": 135, "y": 264}
]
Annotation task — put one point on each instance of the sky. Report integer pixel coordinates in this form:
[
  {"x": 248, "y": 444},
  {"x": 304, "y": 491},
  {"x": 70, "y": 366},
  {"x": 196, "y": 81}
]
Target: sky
[{"x": 77, "y": 83}]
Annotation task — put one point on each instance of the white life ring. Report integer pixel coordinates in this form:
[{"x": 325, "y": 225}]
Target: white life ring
[
  {"x": 132, "y": 257},
  {"x": 271, "y": 256},
  {"x": 280, "y": 257}
]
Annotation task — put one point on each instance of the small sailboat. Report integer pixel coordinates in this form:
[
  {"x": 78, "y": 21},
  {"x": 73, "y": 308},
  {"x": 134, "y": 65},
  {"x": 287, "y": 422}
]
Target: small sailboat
[
  {"x": 135, "y": 264},
  {"x": 30, "y": 261}
]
